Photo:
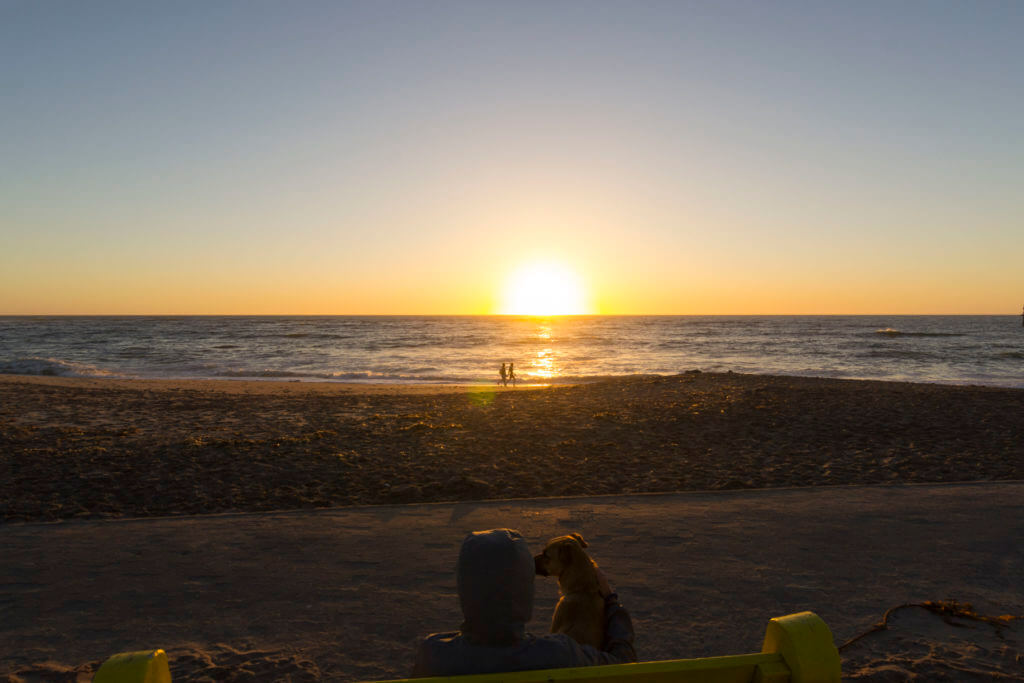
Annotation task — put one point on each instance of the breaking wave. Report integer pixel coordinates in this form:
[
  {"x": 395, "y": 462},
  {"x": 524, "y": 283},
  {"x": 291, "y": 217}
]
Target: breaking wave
[
  {"x": 890, "y": 332},
  {"x": 363, "y": 376},
  {"x": 52, "y": 367},
  {"x": 369, "y": 376}
]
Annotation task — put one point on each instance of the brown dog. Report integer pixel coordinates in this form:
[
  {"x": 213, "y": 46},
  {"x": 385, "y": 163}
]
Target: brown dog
[{"x": 580, "y": 611}]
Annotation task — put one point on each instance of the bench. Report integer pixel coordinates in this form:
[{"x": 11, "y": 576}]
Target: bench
[{"x": 798, "y": 648}]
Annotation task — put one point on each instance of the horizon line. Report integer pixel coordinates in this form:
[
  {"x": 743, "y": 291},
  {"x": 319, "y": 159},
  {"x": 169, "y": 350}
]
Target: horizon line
[{"x": 476, "y": 315}]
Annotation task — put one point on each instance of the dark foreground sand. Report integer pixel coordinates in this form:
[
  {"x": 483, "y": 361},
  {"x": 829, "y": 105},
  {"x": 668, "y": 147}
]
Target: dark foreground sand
[
  {"x": 346, "y": 594},
  {"x": 72, "y": 448}
]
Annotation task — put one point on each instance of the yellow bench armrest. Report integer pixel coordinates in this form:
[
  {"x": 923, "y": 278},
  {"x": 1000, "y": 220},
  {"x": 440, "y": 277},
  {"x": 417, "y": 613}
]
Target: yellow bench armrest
[{"x": 147, "y": 666}]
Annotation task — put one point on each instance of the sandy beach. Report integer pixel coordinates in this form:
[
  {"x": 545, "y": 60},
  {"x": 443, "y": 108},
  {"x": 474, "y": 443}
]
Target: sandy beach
[
  {"x": 345, "y": 594},
  {"x": 180, "y": 514},
  {"x": 83, "y": 448}
]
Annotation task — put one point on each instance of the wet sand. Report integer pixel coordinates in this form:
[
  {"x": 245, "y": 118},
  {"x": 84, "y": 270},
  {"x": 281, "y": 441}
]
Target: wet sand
[{"x": 82, "y": 448}]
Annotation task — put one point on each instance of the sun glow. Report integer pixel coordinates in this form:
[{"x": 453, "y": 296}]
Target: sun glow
[{"x": 544, "y": 289}]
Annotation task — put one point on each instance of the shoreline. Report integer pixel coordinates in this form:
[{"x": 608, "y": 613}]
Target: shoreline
[
  {"x": 233, "y": 385},
  {"x": 102, "y": 448},
  {"x": 239, "y": 384}
]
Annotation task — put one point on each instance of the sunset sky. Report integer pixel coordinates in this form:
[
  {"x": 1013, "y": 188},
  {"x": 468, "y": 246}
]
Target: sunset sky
[{"x": 413, "y": 157}]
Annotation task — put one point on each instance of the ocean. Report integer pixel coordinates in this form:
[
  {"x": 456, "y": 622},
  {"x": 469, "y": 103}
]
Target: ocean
[{"x": 986, "y": 350}]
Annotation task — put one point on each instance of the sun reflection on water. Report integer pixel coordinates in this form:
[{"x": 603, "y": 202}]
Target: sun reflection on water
[{"x": 543, "y": 365}]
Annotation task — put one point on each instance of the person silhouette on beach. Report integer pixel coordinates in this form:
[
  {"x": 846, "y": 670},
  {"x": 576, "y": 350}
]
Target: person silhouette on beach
[
  {"x": 511, "y": 374},
  {"x": 495, "y": 578},
  {"x": 504, "y": 377}
]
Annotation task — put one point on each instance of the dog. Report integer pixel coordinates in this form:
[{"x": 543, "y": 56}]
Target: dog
[{"x": 580, "y": 611}]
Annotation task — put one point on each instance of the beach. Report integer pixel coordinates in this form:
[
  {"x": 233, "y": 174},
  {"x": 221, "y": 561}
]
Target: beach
[
  {"x": 82, "y": 448},
  {"x": 308, "y": 531},
  {"x": 346, "y": 594}
]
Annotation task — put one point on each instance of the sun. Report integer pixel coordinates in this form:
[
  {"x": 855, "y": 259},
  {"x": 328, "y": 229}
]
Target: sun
[{"x": 544, "y": 288}]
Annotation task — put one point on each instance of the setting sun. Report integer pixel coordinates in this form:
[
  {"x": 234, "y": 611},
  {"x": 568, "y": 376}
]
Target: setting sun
[{"x": 544, "y": 289}]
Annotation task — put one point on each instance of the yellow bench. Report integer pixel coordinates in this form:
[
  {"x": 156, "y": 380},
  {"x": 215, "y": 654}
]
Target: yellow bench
[{"x": 797, "y": 648}]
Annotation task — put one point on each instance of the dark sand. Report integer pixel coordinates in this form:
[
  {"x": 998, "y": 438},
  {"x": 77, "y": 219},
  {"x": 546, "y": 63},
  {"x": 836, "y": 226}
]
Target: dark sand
[
  {"x": 344, "y": 594},
  {"x": 73, "y": 448}
]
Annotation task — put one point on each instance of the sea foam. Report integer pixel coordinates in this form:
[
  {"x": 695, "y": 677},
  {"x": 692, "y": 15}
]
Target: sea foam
[{"x": 54, "y": 367}]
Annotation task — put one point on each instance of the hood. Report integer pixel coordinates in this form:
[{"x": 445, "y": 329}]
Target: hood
[{"x": 495, "y": 578}]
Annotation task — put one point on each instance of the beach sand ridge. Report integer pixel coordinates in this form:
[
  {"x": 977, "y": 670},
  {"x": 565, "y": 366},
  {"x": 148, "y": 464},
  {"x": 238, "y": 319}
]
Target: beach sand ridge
[{"x": 74, "y": 448}]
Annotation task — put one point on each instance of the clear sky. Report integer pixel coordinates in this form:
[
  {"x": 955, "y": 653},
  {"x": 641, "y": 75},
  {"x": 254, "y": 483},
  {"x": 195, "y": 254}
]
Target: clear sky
[{"x": 409, "y": 157}]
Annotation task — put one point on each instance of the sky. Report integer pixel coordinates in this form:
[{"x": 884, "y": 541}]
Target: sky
[{"x": 411, "y": 157}]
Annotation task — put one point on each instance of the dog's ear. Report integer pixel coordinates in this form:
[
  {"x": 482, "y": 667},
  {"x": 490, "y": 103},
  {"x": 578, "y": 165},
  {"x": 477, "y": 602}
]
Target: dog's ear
[
  {"x": 579, "y": 539},
  {"x": 565, "y": 554}
]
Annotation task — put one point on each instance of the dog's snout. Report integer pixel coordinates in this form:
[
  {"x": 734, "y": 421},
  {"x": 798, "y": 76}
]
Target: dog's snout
[{"x": 539, "y": 565}]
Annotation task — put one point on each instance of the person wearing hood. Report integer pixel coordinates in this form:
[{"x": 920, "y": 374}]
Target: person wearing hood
[{"x": 495, "y": 577}]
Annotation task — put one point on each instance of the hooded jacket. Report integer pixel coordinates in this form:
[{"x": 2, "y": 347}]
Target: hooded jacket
[{"x": 495, "y": 577}]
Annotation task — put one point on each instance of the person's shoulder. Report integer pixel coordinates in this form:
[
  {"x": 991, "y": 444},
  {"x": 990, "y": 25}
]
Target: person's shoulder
[
  {"x": 436, "y": 652},
  {"x": 558, "y": 650},
  {"x": 446, "y": 638}
]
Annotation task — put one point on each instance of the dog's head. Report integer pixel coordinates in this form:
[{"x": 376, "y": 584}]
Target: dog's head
[{"x": 561, "y": 553}]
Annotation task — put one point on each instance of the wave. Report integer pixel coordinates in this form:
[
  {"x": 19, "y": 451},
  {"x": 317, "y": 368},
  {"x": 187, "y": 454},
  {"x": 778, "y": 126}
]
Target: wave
[
  {"x": 134, "y": 352},
  {"x": 305, "y": 335},
  {"x": 52, "y": 367},
  {"x": 903, "y": 354},
  {"x": 890, "y": 332},
  {"x": 397, "y": 344},
  {"x": 696, "y": 342},
  {"x": 270, "y": 374},
  {"x": 359, "y": 376},
  {"x": 269, "y": 336},
  {"x": 308, "y": 335},
  {"x": 370, "y": 376}
]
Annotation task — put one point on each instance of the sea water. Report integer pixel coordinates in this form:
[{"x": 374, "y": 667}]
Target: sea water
[{"x": 470, "y": 349}]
